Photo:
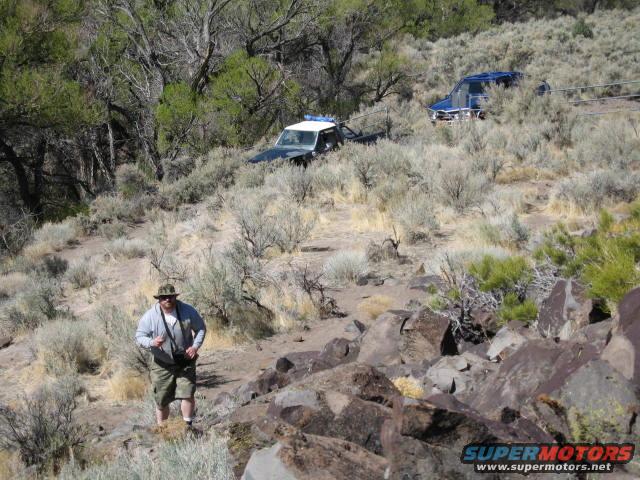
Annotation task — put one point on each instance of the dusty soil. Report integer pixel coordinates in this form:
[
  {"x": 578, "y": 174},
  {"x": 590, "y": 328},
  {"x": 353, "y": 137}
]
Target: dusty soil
[{"x": 130, "y": 283}]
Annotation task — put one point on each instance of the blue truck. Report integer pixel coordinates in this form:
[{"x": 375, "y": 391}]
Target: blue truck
[{"x": 466, "y": 98}]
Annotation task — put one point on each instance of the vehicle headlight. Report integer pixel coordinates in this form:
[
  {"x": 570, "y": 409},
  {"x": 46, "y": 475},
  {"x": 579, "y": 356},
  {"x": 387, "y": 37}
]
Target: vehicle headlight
[{"x": 434, "y": 115}]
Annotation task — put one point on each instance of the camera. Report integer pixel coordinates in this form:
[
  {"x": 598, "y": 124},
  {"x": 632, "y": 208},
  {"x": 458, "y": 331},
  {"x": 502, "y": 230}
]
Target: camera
[{"x": 180, "y": 359}]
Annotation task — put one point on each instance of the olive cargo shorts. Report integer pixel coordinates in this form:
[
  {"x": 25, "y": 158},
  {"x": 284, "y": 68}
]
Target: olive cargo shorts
[{"x": 171, "y": 382}]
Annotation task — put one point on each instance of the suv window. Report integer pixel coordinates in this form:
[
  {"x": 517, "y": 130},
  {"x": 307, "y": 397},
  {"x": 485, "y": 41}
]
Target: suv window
[{"x": 476, "y": 88}]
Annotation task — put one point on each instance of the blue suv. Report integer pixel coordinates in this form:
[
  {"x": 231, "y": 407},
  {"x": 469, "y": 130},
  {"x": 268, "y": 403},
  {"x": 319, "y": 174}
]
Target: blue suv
[{"x": 465, "y": 100}]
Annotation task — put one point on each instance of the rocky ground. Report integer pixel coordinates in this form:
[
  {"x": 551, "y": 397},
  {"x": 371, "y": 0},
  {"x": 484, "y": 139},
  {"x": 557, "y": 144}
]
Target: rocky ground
[
  {"x": 396, "y": 396},
  {"x": 334, "y": 407},
  {"x": 334, "y": 411}
]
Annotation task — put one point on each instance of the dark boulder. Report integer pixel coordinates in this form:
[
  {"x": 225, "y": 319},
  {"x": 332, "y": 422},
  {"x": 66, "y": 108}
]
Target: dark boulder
[
  {"x": 355, "y": 326},
  {"x": 425, "y": 336},
  {"x": 332, "y": 414},
  {"x": 283, "y": 365},
  {"x": 487, "y": 320},
  {"x": 565, "y": 310},
  {"x": 362, "y": 381},
  {"x": 302, "y": 456},
  {"x": 508, "y": 339},
  {"x": 599, "y": 404},
  {"x": 380, "y": 343},
  {"x": 426, "y": 283},
  {"x": 629, "y": 327},
  {"x": 339, "y": 351},
  {"x": 537, "y": 367},
  {"x": 424, "y": 438},
  {"x": 401, "y": 336},
  {"x": 5, "y": 342},
  {"x": 266, "y": 382}
]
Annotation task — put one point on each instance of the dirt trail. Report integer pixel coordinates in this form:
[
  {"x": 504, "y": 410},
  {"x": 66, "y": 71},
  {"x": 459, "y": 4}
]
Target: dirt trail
[{"x": 226, "y": 368}]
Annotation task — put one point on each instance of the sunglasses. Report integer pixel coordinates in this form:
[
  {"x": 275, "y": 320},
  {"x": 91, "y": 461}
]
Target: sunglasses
[{"x": 162, "y": 298}]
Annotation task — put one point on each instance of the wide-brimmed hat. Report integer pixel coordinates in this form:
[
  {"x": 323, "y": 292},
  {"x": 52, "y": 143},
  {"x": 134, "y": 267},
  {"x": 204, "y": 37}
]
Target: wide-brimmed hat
[{"x": 166, "y": 290}]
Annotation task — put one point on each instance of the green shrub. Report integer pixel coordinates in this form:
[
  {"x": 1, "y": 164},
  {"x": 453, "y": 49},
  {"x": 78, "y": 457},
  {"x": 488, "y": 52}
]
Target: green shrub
[
  {"x": 119, "y": 328},
  {"x": 345, "y": 267},
  {"x": 415, "y": 216},
  {"x": 496, "y": 274},
  {"x": 112, "y": 208},
  {"x": 293, "y": 226},
  {"x": 124, "y": 248},
  {"x": 605, "y": 261},
  {"x": 131, "y": 181},
  {"x": 43, "y": 429},
  {"x": 36, "y": 304},
  {"x": 559, "y": 246},
  {"x": 460, "y": 187},
  {"x": 82, "y": 275},
  {"x": 295, "y": 182},
  {"x": 204, "y": 457},
  {"x": 581, "y": 27},
  {"x": 610, "y": 266},
  {"x": 56, "y": 236},
  {"x": 53, "y": 266},
  {"x": 68, "y": 346},
  {"x": 513, "y": 309}
]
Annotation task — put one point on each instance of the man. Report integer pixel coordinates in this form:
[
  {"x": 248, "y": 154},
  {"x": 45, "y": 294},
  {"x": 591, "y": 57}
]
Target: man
[{"x": 173, "y": 331}]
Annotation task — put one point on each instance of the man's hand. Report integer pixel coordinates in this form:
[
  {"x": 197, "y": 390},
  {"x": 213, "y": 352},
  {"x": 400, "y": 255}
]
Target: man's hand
[
  {"x": 191, "y": 352},
  {"x": 158, "y": 341}
]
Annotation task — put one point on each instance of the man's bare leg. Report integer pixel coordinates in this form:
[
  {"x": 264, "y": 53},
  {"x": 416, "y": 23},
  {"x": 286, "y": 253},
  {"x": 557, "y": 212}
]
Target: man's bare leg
[
  {"x": 162, "y": 413},
  {"x": 188, "y": 405}
]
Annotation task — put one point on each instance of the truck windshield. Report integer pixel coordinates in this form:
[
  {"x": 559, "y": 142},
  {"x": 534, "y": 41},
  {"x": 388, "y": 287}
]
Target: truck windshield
[
  {"x": 473, "y": 88},
  {"x": 297, "y": 138}
]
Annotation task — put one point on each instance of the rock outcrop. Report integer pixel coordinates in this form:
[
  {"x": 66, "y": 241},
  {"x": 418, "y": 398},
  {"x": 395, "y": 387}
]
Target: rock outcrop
[{"x": 336, "y": 413}]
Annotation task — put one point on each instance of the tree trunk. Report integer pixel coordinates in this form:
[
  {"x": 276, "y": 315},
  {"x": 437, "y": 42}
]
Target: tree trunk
[{"x": 30, "y": 199}]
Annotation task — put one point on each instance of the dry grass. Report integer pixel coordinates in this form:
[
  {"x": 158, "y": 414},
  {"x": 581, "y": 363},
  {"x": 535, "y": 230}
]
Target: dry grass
[
  {"x": 52, "y": 237},
  {"x": 217, "y": 339},
  {"x": 291, "y": 307},
  {"x": 354, "y": 193},
  {"x": 147, "y": 288},
  {"x": 10, "y": 465},
  {"x": 409, "y": 387},
  {"x": 126, "y": 385},
  {"x": 375, "y": 305},
  {"x": 12, "y": 283},
  {"x": 66, "y": 345},
  {"x": 173, "y": 429},
  {"x": 126, "y": 249},
  {"x": 345, "y": 267},
  {"x": 522, "y": 173},
  {"x": 368, "y": 219},
  {"x": 565, "y": 210}
]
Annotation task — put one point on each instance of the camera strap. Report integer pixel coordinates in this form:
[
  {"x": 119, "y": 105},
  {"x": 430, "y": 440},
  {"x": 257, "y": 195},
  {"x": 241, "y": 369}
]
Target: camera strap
[{"x": 172, "y": 340}]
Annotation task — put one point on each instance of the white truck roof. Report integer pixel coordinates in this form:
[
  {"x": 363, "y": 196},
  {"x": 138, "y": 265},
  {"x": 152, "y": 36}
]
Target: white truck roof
[{"x": 310, "y": 126}]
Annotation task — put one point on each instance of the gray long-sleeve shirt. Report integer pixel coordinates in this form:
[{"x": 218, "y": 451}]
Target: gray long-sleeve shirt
[{"x": 151, "y": 325}]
